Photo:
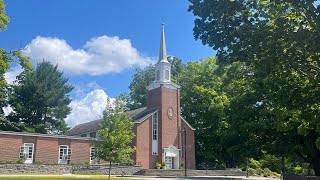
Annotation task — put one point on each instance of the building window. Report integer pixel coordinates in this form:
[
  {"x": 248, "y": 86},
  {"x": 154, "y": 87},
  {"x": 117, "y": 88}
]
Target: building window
[
  {"x": 155, "y": 134},
  {"x": 93, "y": 135},
  {"x": 155, "y": 126},
  {"x": 64, "y": 154},
  {"x": 83, "y": 135},
  {"x": 158, "y": 75},
  {"x": 93, "y": 156},
  {"x": 26, "y": 153},
  {"x": 167, "y": 74}
]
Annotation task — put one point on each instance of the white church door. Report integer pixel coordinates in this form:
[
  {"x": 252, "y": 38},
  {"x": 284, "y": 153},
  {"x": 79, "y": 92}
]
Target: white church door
[
  {"x": 168, "y": 161},
  {"x": 171, "y": 157}
]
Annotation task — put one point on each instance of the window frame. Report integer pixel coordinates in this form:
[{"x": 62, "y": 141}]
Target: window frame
[{"x": 155, "y": 125}]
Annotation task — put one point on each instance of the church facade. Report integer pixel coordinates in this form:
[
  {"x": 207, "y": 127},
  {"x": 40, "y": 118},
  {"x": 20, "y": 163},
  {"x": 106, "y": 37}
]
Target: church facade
[{"x": 162, "y": 134}]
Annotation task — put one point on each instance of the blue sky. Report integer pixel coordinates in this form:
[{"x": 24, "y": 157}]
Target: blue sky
[{"x": 98, "y": 43}]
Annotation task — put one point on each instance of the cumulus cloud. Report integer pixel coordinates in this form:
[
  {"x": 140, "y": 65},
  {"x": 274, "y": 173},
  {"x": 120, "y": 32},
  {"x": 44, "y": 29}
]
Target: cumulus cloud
[
  {"x": 81, "y": 90},
  {"x": 11, "y": 75},
  {"x": 89, "y": 108},
  {"x": 100, "y": 55}
]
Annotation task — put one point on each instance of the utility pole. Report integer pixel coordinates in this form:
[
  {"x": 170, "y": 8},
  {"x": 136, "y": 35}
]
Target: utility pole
[
  {"x": 185, "y": 151},
  {"x": 247, "y": 164}
]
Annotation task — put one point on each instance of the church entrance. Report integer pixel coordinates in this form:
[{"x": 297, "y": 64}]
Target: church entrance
[
  {"x": 171, "y": 157},
  {"x": 169, "y": 162}
]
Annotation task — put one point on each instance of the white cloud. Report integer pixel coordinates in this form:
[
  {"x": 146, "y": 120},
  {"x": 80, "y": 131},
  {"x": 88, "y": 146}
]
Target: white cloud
[
  {"x": 89, "y": 108},
  {"x": 81, "y": 90},
  {"x": 100, "y": 55},
  {"x": 11, "y": 75}
]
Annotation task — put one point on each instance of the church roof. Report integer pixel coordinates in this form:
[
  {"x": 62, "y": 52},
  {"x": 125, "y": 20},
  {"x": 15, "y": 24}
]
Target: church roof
[{"x": 137, "y": 115}]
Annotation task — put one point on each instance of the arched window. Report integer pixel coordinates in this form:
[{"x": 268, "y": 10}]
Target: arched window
[
  {"x": 158, "y": 75},
  {"x": 167, "y": 74}
]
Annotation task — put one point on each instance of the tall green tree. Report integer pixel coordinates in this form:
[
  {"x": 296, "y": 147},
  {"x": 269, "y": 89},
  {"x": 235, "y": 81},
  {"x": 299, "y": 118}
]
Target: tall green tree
[
  {"x": 115, "y": 137},
  {"x": 40, "y": 100},
  {"x": 203, "y": 103},
  {"x": 143, "y": 77},
  {"x": 279, "y": 41}
]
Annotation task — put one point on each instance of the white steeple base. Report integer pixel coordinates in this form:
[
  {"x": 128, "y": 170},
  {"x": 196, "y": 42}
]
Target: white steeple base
[{"x": 169, "y": 85}]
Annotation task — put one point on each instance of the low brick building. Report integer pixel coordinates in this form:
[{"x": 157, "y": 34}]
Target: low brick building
[
  {"x": 162, "y": 134},
  {"x": 43, "y": 148}
]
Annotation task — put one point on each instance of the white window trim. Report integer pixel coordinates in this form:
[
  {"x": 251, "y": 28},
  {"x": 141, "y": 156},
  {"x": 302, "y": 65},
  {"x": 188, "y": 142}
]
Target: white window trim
[
  {"x": 32, "y": 154},
  {"x": 153, "y": 134},
  {"x": 94, "y": 160},
  {"x": 65, "y": 161}
]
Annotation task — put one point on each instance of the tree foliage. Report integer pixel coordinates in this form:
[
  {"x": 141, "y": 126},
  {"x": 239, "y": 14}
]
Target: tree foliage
[
  {"x": 278, "y": 41},
  {"x": 202, "y": 104},
  {"x": 4, "y": 20},
  {"x": 40, "y": 100},
  {"x": 113, "y": 144}
]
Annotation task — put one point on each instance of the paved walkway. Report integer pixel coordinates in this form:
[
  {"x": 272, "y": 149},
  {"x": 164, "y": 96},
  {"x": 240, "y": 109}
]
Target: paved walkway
[
  {"x": 143, "y": 177},
  {"x": 201, "y": 178}
]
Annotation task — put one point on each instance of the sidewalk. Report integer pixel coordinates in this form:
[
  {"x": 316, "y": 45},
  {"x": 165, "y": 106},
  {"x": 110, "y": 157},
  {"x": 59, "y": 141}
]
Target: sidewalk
[
  {"x": 201, "y": 178},
  {"x": 141, "y": 177}
]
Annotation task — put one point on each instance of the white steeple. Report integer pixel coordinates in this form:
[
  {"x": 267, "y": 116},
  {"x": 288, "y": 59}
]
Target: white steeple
[
  {"x": 163, "y": 49},
  {"x": 163, "y": 67}
]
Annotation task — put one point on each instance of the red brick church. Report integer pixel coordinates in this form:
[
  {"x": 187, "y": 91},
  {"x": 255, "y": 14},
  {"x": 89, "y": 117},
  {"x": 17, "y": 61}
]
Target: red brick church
[{"x": 160, "y": 131}]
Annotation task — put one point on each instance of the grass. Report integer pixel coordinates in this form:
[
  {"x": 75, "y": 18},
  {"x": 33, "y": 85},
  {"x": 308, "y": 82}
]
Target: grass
[{"x": 58, "y": 177}]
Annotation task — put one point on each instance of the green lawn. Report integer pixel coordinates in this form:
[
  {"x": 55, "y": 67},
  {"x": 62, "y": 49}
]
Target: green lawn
[{"x": 39, "y": 177}]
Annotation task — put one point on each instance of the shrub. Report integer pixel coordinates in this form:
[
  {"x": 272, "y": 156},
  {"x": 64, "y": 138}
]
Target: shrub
[
  {"x": 261, "y": 168},
  {"x": 254, "y": 163},
  {"x": 298, "y": 170},
  {"x": 266, "y": 172},
  {"x": 163, "y": 164},
  {"x": 39, "y": 162},
  {"x": 271, "y": 162},
  {"x": 19, "y": 161},
  {"x": 158, "y": 165}
]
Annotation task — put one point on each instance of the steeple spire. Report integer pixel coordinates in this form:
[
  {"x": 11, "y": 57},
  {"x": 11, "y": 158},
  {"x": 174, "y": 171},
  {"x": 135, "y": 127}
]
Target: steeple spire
[
  {"x": 163, "y": 49},
  {"x": 162, "y": 68}
]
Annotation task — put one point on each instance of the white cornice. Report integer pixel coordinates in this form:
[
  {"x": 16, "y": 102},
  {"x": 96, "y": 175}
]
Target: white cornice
[
  {"x": 169, "y": 85},
  {"x": 187, "y": 123}
]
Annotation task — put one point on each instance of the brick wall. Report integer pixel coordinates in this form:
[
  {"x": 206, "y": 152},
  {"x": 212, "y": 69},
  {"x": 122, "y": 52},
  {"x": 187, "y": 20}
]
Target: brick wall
[
  {"x": 143, "y": 140},
  {"x": 80, "y": 151},
  {"x": 10, "y": 147},
  {"x": 191, "y": 162},
  {"x": 169, "y": 127},
  {"x": 154, "y": 98},
  {"x": 47, "y": 150}
]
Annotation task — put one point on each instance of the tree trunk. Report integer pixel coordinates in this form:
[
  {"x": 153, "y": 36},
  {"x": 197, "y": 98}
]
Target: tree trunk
[
  {"x": 316, "y": 165},
  {"x": 109, "y": 170},
  {"x": 283, "y": 164}
]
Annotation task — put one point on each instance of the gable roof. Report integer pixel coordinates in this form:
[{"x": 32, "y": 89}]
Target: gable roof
[
  {"x": 143, "y": 115},
  {"x": 185, "y": 121},
  {"x": 137, "y": 115}
]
